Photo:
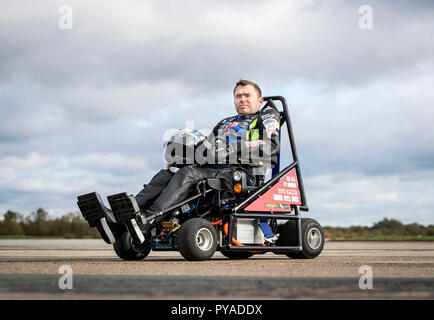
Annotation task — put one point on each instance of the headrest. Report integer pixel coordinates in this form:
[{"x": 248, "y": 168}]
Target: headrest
[{"x": 271, "y": 104}]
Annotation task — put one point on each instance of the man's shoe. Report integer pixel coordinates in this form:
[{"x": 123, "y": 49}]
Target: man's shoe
[
  {"x": 272, "y": 239},
  {"x": 93, "y": 210},
  {"x": 127, "y": 211}
]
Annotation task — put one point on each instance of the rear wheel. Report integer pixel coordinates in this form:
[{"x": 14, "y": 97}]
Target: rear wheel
[
  {"x": 127, "y": 249},
  {"x": 197, "y": 239},
  {"x": 312, "y": 237}
]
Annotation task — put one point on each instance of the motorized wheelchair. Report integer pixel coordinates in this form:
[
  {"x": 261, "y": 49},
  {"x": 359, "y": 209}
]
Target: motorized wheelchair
[{"x": 219, "y": 215}]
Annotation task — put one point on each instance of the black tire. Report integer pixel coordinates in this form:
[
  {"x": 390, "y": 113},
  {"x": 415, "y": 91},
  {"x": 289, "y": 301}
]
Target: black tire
[
  {"x": 312, "y": 237},
  {"x": 127, "y": 250},
  {"x": 197, "y": 239},
  {"x": 237, "y": 254}
]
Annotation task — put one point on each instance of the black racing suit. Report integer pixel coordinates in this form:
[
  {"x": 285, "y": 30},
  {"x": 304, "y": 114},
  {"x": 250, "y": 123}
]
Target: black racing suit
[{"x": 250, "y": 141}]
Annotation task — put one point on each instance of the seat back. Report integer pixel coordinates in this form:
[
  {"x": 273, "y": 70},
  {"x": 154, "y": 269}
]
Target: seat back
[{"x": 260, "y": 179}]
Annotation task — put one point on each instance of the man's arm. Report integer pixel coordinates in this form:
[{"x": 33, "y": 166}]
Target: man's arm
[{"x": 257, "y": 145}]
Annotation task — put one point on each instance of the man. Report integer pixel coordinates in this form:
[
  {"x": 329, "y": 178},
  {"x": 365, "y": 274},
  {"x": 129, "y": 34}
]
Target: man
[{"x": 249, "y": 140}]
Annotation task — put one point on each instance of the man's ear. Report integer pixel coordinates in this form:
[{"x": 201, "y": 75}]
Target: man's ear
[{"x": 261, "y": 100}]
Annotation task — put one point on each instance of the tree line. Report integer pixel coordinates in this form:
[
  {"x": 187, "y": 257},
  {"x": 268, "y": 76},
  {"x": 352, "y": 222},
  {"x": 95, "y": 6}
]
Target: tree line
[
  {"x": 72, "y": 225},
  {"x": 387, "y": 228},
  {"x": 39, "y": 224}
]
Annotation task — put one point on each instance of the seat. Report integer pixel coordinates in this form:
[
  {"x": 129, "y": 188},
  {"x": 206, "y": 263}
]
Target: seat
[{"x": 260, "y": 179}]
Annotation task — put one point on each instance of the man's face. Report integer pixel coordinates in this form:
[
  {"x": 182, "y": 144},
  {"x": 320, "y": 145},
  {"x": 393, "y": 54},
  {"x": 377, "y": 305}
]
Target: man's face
[{"x": 246, "y": 100}]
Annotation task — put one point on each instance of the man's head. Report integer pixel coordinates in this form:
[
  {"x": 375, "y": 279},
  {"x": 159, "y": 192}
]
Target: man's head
[{"x": 247, "y": 97}]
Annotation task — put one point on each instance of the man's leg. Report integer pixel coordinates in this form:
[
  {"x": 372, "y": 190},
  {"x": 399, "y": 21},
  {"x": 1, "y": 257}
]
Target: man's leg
[
  {"x": 179, "y": 186},
  {"x": 128, "y": 209},
  {"x": 178, "y": 189},
  {"x": 152, "y": 190}
]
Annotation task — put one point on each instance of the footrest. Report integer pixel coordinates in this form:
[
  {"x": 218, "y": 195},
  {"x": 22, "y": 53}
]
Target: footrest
[
  {"x": 94, "y": 212},
  {"x": 91, "y": 207},
  {"x": 127, "y": 211},
  {"x": 124, "y": 206}
]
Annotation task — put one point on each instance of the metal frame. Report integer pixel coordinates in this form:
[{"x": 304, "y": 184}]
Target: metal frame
[{"x": 238, "y": 211}]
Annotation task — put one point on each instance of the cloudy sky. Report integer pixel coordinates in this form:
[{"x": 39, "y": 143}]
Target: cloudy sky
[{"x": 85, "y": 101}]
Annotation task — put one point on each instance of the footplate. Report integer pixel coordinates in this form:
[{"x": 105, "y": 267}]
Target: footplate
[
  {"x": 127, "y": 211},
  {"x": 124, "y": 206},
  {"x": 91, "y": 207},
  {"x": 94, "y": 212}
]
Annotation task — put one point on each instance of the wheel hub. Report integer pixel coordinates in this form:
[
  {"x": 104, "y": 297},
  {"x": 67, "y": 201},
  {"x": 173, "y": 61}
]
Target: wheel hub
[
  {"x": 204, "y": 239},
  {"x": 314, "y": 238},
  {"x": 137, "y": 246}
]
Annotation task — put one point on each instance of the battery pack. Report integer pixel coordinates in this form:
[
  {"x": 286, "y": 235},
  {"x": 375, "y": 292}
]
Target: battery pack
[{"x": 247, "y": 231}]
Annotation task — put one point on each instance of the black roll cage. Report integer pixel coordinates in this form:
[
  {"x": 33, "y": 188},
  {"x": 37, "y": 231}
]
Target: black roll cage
[{"x": 238, "y": 210}]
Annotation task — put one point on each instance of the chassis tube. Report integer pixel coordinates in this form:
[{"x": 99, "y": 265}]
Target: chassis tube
[
  {"x": 267, "y": 248},
  {"x": 304, "y": 206},
  {"x": 296, "y": 216},
  {"x": 266, "y": 215}
]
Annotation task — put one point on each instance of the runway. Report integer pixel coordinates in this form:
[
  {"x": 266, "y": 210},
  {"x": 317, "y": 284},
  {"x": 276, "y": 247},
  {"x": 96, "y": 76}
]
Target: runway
[{"x": 35, "y": 269}]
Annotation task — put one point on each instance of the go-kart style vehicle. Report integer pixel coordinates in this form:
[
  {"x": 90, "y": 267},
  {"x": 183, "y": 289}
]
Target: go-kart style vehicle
[{"x": 238, "y": 220}]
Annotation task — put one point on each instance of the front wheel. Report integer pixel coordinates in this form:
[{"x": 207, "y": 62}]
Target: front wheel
[
  {"x": 126, "y": 249},
  {"x": 197, "y": 239},
  {"x": 312, "y": 237}
]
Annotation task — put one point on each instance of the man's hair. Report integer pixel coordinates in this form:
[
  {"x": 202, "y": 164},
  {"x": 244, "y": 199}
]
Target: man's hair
[{"x": 246, "y": 82}]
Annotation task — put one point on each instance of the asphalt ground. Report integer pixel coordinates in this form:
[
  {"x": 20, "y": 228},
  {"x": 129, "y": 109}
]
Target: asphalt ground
[{"x": 89, "y": 269}]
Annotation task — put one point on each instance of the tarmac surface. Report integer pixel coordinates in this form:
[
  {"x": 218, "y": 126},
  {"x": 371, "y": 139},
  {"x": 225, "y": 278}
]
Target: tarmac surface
[{"x": 90, "y": 269}]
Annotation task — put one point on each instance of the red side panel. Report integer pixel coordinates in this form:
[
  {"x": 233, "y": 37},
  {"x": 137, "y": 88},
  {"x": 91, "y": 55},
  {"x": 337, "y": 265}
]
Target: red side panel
[{"x": 280, "y": 197}]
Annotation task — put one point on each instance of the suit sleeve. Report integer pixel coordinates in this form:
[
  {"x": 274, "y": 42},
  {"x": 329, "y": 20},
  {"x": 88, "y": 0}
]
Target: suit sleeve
[{"x": 258, "y": 145}]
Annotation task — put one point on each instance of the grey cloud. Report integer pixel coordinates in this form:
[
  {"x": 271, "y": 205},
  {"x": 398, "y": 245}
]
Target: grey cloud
[
  {"x": 292, "y": 42},
  {"x": 360, "y": 101}
]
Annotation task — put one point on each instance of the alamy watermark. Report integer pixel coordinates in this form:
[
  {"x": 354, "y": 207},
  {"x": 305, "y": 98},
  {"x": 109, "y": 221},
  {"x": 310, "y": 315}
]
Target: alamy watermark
[
  {"x": 366, "y": 280},
  {"x": 366, "y": 21},
  {"x": 65, "y": 281},
  {"x": 66, "y": 18},
  {"x": 205, "y": 147}
]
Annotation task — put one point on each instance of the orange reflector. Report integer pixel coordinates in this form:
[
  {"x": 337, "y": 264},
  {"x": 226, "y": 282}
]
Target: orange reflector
[{"x": 237, "y": 187}]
